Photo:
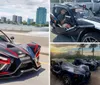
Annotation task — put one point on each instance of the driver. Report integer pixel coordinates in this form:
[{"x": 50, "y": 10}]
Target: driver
[{"x": 62, "y": 20}]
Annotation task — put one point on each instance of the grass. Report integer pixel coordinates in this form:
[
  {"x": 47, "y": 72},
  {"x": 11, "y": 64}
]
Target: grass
[
  {"x": 70, "y": 60},
  {"x": 72, "y": 57}
]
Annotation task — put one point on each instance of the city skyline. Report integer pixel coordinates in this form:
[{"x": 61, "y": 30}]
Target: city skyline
[
  {"x": 16, "y": 18},
  {"x": 24, "y": 8}
]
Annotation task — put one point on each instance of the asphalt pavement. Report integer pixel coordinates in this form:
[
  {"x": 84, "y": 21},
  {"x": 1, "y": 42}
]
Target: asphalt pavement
[{"x": 42, "y": 38}]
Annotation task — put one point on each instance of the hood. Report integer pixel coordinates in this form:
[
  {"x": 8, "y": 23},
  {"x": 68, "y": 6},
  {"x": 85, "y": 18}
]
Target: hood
[
  {"x": 72, "y": 68},
  {"x": 12, "y": 49},
  {"x": 95, "y": 19},
  {"x": 90, "y": 21}
]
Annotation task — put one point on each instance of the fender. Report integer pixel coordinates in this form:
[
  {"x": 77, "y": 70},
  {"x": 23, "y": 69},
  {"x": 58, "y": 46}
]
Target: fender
[{"x": 85, "y": 31}]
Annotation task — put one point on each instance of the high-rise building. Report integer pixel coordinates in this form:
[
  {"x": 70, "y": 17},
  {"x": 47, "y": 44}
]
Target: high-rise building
[
  {"x": 8, "y": 21},
  {"x": 14, "y": 19},
  {"x": 41, "y": 15},
  {"x": 3, "y": 19},
  {"x": 19, "y": 19},
  {"x": 30, "y": 21}
]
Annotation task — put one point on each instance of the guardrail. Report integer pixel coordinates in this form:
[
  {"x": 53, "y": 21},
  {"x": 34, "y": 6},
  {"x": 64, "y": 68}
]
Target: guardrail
[{"x": 11, "y": 27}]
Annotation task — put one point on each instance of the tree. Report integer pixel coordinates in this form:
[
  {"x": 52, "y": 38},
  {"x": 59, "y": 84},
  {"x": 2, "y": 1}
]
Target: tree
[
  {"x": 24, "y": 22},
  {"x": 93, "y": 46},
  {"x": 81, "y": 46},
  {"x": 78, "y": 52}
]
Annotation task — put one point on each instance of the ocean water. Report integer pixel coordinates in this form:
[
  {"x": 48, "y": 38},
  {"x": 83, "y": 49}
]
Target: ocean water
[
  {"x": 22, "y": 28},
  {"x": 86, "y": 49}
]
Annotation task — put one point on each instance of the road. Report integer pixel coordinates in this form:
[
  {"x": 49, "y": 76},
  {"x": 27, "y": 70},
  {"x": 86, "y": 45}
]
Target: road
[
  {"x": 32, "y": 78},
  {"x": 41, "y": 38},
  {"x": 95, "y": 79}
]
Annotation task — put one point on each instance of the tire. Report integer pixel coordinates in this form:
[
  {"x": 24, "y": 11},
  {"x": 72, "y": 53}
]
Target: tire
[
  {"x": 67, "y": 80},
  {"x": 94, "y": 37}
]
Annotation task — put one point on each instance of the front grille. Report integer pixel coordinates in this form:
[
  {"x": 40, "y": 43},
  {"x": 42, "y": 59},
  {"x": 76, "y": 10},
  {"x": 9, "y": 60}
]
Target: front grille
[
  {"x": 26, "y": 66},
  {"x": 25, "y": 58},
  {"x": 26, "y": 62}
]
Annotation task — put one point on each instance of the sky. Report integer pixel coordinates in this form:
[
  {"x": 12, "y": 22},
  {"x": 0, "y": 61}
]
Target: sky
[{"x": 24, "y": 8}]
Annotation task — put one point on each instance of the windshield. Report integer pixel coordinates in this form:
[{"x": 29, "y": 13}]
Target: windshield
[
  {"x": 3, "y": 37},
  {"x": 69, "y": 64},
  {"x": 82, "y": 13}
]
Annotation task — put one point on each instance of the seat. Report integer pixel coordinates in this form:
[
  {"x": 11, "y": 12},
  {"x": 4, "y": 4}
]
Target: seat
[{"x": 54, "y": 21}]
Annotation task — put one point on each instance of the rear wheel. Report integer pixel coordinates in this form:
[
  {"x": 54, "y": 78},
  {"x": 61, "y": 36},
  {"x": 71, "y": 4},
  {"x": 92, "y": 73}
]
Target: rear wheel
[
  {"x": 67, "y": 80},
  {"x": 91, "y": 37}
]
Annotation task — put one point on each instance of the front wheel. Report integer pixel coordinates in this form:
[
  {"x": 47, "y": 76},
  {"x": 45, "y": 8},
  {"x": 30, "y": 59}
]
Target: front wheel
[
  {"x": 91, "y": 37},
  {"x": 67, "y": 80}
]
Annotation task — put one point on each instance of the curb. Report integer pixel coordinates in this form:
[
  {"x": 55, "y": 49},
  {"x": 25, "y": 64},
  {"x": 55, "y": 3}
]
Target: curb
[
  {"x": 44, "y": 50},
  {"x": 44, "y": 53}
]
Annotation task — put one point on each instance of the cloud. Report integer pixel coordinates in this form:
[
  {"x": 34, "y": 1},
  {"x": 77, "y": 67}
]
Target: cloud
[{"x": 24, "y": 8}]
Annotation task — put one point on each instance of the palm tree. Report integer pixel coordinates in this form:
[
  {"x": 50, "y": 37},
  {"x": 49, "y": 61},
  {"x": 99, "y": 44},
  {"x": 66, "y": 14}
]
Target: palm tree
[
  {"x": 93, "y": 46},
  {"x": 81, "y": 46}
]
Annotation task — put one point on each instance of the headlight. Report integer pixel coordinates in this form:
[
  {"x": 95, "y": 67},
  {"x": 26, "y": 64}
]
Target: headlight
[
  {"x": 3, "y": 58},
  {"x": 4, "y": 62}
]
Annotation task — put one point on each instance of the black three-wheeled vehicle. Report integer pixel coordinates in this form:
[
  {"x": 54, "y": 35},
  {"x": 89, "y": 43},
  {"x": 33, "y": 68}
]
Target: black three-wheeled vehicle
[{"x": 85, "y": 27}]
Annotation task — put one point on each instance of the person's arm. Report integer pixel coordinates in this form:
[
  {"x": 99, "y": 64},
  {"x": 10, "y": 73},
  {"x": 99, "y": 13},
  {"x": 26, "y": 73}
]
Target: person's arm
[
  {"x": 60, "y": 19},
  {"x": 63, "y": 21}
]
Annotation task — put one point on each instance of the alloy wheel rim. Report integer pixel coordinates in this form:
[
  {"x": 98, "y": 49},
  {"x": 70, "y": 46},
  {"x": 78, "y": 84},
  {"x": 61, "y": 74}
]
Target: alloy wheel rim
[{"x": 90, "y": 39}]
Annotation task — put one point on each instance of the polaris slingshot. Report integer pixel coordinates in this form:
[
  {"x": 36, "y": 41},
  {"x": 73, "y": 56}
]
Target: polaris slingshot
[
  {"x": 15, "y": 59},
  {"x": 85, "y": 27},
  {"x": 92, "y": 64},
  {"x": 69, "y": 73}
]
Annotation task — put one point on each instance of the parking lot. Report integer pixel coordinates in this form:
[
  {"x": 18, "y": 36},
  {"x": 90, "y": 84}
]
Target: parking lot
[{"x": 95, "y": 78}]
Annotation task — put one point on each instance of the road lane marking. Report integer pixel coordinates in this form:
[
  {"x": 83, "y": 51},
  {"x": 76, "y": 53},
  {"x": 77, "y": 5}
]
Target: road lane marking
[{"x": 44, "y": 62}]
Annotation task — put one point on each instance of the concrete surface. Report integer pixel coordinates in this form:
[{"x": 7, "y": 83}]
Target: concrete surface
[
  {"x": 45, "y": 50},
  {"x": 95, "y": 78}
]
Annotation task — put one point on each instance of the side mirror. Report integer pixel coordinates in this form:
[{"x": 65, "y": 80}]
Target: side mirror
[{"x": 12, "y": 38}]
